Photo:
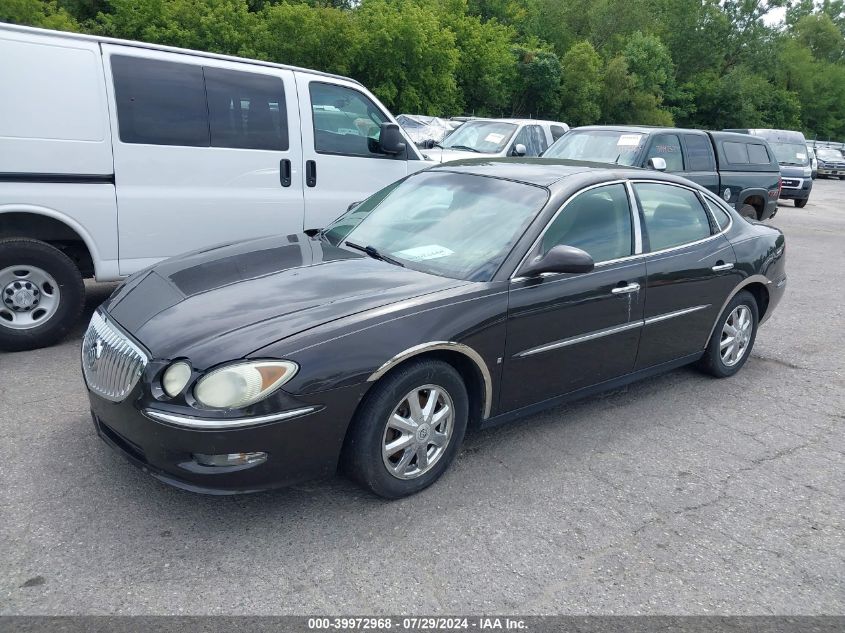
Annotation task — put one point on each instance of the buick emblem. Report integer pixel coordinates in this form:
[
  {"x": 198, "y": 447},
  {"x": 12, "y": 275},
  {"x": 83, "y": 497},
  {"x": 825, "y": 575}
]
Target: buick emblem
[{"x": 98, "y": 349}]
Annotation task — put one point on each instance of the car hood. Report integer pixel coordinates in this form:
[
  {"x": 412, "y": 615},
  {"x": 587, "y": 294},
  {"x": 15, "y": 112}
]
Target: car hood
[
  {"x": 793, "y": 171},
  {"x": 245, "y": 296},
  {"x": 442, "y": 155}
]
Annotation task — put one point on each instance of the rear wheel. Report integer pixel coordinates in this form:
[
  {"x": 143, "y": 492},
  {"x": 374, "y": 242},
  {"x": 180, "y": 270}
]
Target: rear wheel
[
  {"x": 41, "y": 294},
  {"x": 732, "y": 339},
  {"x": 747, "y": 211},
  {"x": 408, "y": 430},
  {"x": 801, "y": 203}
]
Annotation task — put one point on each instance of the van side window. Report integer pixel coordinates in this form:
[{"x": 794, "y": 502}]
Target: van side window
[
  {"x": 160, "y": 103},
  {"x": 246, "y": 110},
  {"x": 699, "y": 153},
  {"x": 672, "y": 215},
  {"x": 736, "y": 153},
  {"x": 345, "y": 121},
  {"x": 667, "y": 147},
  {"x": 757, "y": 154}
]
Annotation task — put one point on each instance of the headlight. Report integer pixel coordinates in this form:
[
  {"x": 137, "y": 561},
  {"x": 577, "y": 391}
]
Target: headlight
[
  {"x": 242, "y": 384},
  {"x": 175, "y": 378}
]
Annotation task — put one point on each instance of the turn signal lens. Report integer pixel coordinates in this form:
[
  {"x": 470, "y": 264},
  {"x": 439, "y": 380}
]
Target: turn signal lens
[
  {"x": 175, "y": 378},
  {"x": 240, "y": 385}
]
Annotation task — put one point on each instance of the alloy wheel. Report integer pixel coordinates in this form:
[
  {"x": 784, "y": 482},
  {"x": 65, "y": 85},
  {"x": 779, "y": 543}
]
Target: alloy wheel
[
  {"x": 418, "y": 431},
  {"x": 736, "y": 335}
]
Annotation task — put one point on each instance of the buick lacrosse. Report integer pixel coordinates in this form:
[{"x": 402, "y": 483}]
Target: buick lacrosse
[{"x": 465, "y": 295}]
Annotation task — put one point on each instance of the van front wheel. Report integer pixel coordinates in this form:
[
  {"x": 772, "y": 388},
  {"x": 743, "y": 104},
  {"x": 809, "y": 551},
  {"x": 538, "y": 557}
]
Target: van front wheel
[{"x": 41, "y": 294}]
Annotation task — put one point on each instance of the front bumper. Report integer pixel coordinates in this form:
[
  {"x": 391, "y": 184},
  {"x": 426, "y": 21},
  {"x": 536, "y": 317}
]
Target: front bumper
[
  {"x": 796, "y": 188},
  {"x": 298, "y": 449}
]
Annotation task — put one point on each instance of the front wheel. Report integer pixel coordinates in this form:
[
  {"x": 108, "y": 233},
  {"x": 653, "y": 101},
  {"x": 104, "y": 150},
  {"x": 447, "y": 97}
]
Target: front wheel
[
  {"x": 802, "y": 203},
  {"x": 408, "y": 430},
  {"x": 732, "y": 339},
  {"x": 41, "y": 294}
]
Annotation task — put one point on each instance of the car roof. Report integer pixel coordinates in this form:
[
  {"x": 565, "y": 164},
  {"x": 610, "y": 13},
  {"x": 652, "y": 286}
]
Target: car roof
[{"x": 546, "y": 172}]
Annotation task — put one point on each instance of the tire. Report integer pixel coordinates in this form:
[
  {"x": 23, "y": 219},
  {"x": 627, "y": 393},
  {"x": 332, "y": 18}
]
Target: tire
[
  {"x": 747, "y": 211},
  {"x": 714, "y": 362},
  {"x": 802, "y": 203},
  {"x": 41, "y": 294},
  {"x": 364, "y": 456}
]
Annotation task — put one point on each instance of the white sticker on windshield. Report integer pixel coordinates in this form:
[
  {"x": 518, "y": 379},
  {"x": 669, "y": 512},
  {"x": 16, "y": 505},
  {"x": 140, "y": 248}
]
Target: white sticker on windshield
[
  {"x": 801, "y": 156},
  {"x": 494, "y": 138},
  {"x": 629, "y": 140},
  {"x": 431, "y": 251}
]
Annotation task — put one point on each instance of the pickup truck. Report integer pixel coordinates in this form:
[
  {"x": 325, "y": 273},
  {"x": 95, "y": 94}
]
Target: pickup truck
[{"x": 742, "y": 169}]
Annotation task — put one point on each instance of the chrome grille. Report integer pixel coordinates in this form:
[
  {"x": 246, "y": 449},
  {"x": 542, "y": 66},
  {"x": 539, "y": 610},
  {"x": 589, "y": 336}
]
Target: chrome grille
[
  {"x": 791, "y": 183},
  {"x": 112, "y": 364}
]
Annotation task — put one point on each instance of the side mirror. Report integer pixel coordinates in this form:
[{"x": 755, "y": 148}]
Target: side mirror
[
  {"x": 353, "y": 205},
  {"x": 518, "y": 150},
  {"x": 560, "y": 259},
  {"x": 428, "y": 143},
  {"x": 656, "y": 163},
  {"x": 390, "y": 139}
]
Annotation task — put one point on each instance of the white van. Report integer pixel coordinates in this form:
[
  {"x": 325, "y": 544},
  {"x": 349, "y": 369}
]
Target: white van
[{"x": 116, "y": 154}]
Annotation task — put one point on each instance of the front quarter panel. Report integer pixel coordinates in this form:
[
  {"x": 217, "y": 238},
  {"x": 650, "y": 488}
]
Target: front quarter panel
[{"x": 348, "y": 352}]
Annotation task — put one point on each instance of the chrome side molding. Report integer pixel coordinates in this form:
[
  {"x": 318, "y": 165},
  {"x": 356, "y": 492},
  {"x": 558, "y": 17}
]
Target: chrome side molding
[
  {"x": 466, "y": 350},
  {"x": 193, "y": 422}
]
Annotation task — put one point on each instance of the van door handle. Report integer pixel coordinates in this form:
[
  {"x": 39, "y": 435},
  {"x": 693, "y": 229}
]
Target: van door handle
[
  {"x": 311, "y": 173},
  {"x": 284, "y": 172},
  {"x": 624, "y": 290},
  {"x": 720, "y": 266}
]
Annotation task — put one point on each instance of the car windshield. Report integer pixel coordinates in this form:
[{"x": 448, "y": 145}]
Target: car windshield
[
  {"x": 829, "y": 154},
  {"x": 454, "y": 225},
  {"x": 486, "y": 137},
  {"x": 598, "y": 146},
  {"x": 790, "y": 153}
]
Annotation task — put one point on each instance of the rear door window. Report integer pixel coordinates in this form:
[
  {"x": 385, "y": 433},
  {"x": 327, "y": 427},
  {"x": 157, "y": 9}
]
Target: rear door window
[
  {"x": 699, "y": 153},
  {"x": 557, "y": 132},
  {"x": 246, "y": 110},
  {"x": 673, "y": 216},
  {"x": 667, "y": 147},
  {"x": 160, "y": 103}
]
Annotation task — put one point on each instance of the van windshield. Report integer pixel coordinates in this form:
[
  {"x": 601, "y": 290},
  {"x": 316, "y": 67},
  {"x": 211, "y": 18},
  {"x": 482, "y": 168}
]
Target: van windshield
[
  {"x": 790, "y": 153},
  {"x": 598, "y": 146}
]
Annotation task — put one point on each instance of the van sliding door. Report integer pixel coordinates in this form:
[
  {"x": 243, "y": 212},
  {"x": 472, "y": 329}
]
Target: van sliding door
[{"x": 206, "y": 151}]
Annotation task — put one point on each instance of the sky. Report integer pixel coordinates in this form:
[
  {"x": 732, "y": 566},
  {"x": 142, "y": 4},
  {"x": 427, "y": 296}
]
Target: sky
[{"x": 775, "y": 16}]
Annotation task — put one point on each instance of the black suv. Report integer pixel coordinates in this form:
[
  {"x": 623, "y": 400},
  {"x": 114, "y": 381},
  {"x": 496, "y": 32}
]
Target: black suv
[{"x": 741, "y": 169}]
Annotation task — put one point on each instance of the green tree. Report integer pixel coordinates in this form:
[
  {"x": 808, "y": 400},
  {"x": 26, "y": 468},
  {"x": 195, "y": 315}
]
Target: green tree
[
  {"x": 406, "y": 58},
  {"x": 537, "y": 83},
  {"x": 581, "y": 85},
  {"x": 48, "y": 15}
]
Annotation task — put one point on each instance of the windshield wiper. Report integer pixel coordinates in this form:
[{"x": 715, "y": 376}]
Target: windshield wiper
[
  {"x": 465, "y": 147},
  {"x": 373, "y": 252}
]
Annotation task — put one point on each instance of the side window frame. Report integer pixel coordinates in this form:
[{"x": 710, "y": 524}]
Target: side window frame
[
  {"x": 715, "y": 229},
  {"x": 651, "y": 144},
  {"x": 685, "y": 148},
  {"x": 636, "y": 232},
  {"x": 362, "y": 96}
]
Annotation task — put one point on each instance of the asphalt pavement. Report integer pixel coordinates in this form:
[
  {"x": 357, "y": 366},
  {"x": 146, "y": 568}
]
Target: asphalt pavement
[{"x": 681, "y": 494}]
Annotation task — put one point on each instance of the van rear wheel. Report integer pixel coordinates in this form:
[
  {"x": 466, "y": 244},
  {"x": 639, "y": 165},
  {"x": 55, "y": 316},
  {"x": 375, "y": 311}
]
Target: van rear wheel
[
  {"x": 801, "y": 203},
  {"x": 41, "y": 294}
]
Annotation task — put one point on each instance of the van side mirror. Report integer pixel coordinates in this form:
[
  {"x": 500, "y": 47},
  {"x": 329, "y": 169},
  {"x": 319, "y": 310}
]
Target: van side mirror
[
  {"x": 518, "y": 150},
  {"x": 390, "y": 139},
  {"x": 656, "y": 163},
  {"x": 559, "y": 259}
]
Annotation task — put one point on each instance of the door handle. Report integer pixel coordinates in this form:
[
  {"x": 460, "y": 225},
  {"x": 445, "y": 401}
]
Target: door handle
[
  {"x": 311, "y": 173},
  {"x": 284, "y": 172},
  {"x": 720, "y": 266},
  {"x": 624, "y": 290}
]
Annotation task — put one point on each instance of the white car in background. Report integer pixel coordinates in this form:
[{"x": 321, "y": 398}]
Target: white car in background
[{"x": 497, "y": 137}]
